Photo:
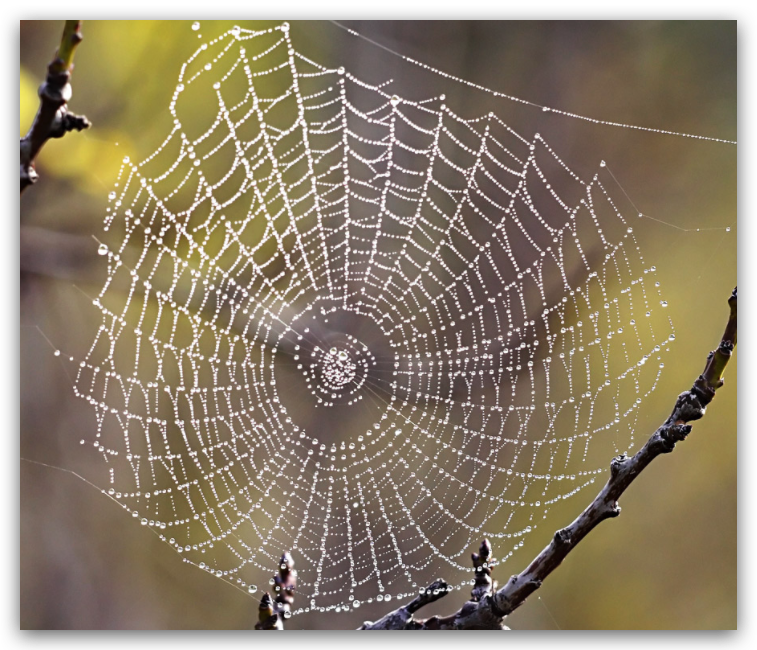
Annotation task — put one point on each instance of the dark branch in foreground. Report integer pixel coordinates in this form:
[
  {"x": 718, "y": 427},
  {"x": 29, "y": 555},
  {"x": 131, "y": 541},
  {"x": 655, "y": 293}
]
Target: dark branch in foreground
[
  {"x": 273, "y": 612},
  {"x": 689, "y": 406},
  {"x": 473, "y": 615},
  {"x": 488, "y": 606},
  {"x": 53, "y": 119}
]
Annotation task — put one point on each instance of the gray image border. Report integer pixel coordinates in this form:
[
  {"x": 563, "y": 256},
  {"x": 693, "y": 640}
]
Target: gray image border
[{"x": 17, "y": 638}]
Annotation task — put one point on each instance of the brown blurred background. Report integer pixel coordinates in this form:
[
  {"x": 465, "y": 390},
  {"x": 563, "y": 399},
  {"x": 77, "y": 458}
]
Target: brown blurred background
[{"x": 668, "y": 562}]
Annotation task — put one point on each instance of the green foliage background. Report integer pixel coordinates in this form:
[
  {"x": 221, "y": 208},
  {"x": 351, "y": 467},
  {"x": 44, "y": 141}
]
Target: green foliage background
[{"x": 668, "y": 562}]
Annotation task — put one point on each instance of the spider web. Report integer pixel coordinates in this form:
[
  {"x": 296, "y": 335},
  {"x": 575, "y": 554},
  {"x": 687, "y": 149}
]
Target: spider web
[{"x": 358, "y": 327}]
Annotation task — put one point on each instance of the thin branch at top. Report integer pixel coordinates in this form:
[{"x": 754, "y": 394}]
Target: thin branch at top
[{"x": 53, "y": 119}]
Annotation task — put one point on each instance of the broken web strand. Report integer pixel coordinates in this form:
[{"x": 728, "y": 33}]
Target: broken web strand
[{"x": 395, "y": 259}]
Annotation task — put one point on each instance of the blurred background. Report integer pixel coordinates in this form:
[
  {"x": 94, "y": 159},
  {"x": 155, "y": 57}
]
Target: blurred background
[{"x": 669, "y": 562}]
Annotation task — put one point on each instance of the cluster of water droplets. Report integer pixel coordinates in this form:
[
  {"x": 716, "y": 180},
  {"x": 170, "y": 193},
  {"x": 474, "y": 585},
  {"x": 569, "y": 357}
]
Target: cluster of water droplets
[{"x": 357, "y": 327}]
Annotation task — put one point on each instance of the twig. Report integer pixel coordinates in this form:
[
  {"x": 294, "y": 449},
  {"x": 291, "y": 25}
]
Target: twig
[
  {"x": 471, "y": 615},
  {"x": 272, "y": 613},
  {"x": 53, "y": 119},
  {"x": 402, "y": 618},
  {"x": 488, "y": 606},
  {"x": 689, "y": 406}
]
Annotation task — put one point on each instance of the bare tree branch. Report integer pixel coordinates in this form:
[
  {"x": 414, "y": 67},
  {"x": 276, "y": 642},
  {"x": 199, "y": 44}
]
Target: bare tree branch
[
  {"x": 273, "y": 613},
  {"x": 468, "y": 617},
  {"x": 689, "y": 406},
  {"x": 53, "y": 119},
  {"x": 488, "y": 606},
  {"x": 402, "y": 618}
]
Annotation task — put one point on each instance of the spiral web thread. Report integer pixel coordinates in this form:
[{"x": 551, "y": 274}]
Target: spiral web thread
[{"x": 357, "y": 327}]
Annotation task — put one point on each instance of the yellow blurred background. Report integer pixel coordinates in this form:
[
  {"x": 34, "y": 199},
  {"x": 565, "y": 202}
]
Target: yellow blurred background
[{"x": 669, "y": 562}]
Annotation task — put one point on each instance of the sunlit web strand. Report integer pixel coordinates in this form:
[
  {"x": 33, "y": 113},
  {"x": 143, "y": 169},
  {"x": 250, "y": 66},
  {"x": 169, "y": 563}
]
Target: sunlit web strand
[
  {"x": 664, "y": 223},
  {"x": 518, "y": 100}
]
